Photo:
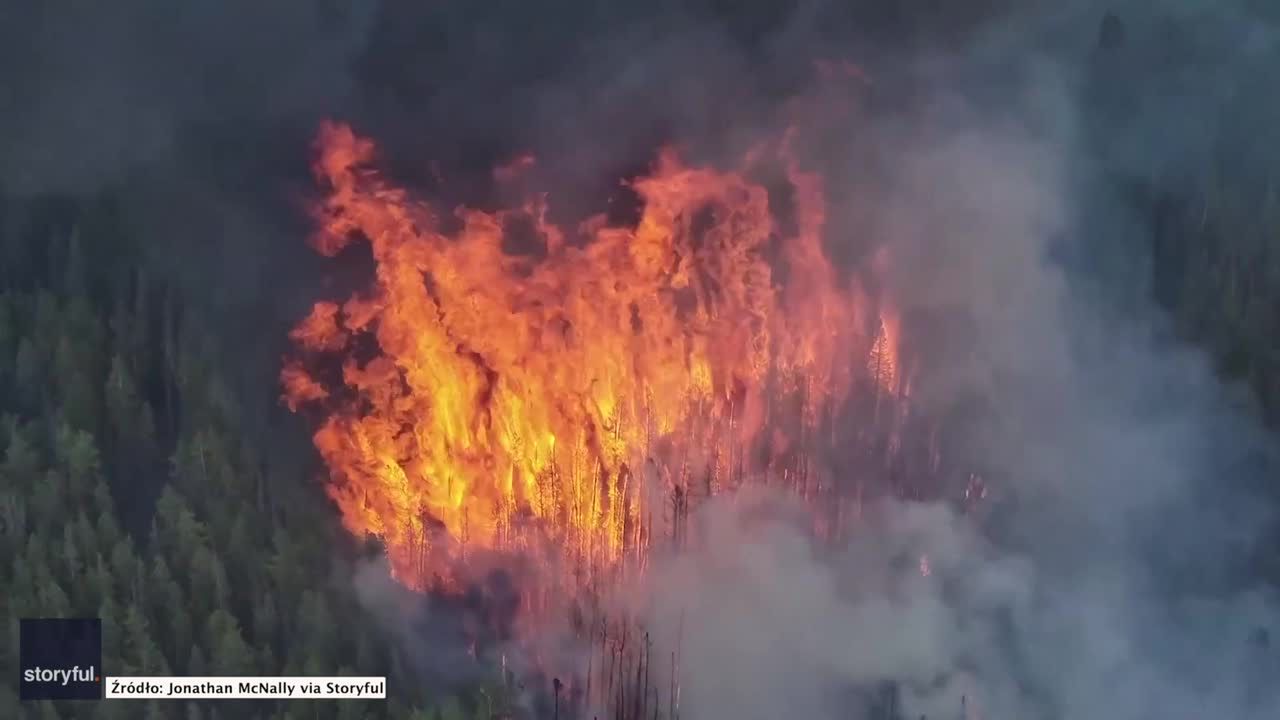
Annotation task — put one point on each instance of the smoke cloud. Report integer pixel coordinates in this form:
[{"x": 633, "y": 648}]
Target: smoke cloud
[
  {"x": 96, "y": 93},
  {"x": 1114, "y": 573}
]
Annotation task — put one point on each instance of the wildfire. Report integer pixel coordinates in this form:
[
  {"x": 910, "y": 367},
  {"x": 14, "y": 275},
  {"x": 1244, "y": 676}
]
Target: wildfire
[{"x": 512, "y": 387}]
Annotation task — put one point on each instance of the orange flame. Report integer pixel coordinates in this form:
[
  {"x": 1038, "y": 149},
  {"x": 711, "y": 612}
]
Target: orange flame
[{"x": 567, "y": 402}]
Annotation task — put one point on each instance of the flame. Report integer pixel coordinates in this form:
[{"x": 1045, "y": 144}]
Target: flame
[
  {"x": 882, "y": 365},
  {"x": 566, "y": 403}
]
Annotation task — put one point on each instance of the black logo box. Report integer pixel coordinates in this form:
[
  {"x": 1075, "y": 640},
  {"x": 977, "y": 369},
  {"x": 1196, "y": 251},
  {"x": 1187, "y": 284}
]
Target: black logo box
[{"x": 71, "y": 648}]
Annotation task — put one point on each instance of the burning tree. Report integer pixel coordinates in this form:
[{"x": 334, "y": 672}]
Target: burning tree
[
  {"x": 584, "y": 395},
  {"x": 559, "y": 409}
]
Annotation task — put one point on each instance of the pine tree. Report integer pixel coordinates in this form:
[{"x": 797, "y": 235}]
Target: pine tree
[
  {"x": 10, "y": 707},
  {"x": 21, "y": 461},
  {"x": 197, "y": 666},
  {"x": 77, "y": 391},
  {"x": 80, "y": 455},
  {"x": 265, "y": 621},
  {"x": 78, "y": 459},
  {"x": 112, "y": 637},
  {"x": 230, "y": 654}
]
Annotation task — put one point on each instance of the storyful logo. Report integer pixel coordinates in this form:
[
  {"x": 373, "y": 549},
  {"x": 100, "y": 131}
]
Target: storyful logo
[{"x": 61, "y": 658}]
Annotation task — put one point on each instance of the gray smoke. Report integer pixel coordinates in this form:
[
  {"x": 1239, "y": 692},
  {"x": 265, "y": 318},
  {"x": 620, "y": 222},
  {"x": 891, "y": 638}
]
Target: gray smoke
[
  {"x": 1112, "y": 572},
  {"x": 1115, "y": 574},
  {"x": 93, "y": 92}
]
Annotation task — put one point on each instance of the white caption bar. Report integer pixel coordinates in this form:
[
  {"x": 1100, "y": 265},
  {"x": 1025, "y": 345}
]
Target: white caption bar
[{"x": 240, "y": 688}]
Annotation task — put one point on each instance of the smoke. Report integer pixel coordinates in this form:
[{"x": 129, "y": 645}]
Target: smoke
[
  {"x": 95, "y": 93},
  {"x": 766, "y": 628},
  {"x": 1115, "y": 573},
  {"x": 433, "y": 637}
]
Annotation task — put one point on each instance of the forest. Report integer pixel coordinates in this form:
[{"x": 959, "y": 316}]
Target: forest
[
  {"x": 140, "y": 482},
  {"x": 130, "y": 491}
]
